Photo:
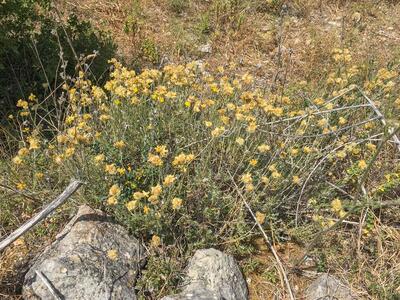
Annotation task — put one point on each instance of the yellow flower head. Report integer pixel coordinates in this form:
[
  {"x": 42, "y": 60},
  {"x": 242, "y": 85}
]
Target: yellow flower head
[
  {"x": 240, "y": 141},
  {"x": 111, "y": 169},
  {"x": 341, "y": 154},
  {"x": 121, "y": 171},
  {"x": 155, "y": 160},
  {"x": 342, "y": 121},
  {"x": 21, "y": 185},
  {"x": 176, "y": 203},
  {"x": 69, "y": 120},
  {"x": 156, "y": 190},
  {"x": 58, "y": 159},
  {"x": 307, "y": 149},
  {"x": 208, "y": 123},
  {"x": 362, "y": 164},
  {"x": 169, "y": 180},
  {"x": 114, "y": 190},
  {"x": 319, "y": 101},
  {"x": 23, "y": 152},
  {"x": 104, "y": 117},
  {"x": 34, "y": 143},
  {"x": 69, "y": 151},
  {"x": 253, "y": 162},
  {"x": 182, "y": 159},
  {"x": 260, "y": 217},
  {"x": 39, "y": 175},
  {"x": 140, "y": 195},
  {"x": 294, "y": 151},
  {"x": 155, "y": 241},
  {"x": 17, "y": 160},
  {"x": 231, "y": 106},
  {"x": 322, "y": 123},
  {"x": 112, "y": 201},
  {"x": 296, "y": 179},
  {"x": 265, "y": 179},
  {"x": 371, "y": 147},
  {"x": 112, "y": 254},
  {"x": 131, "y": 205},
  {"x": 22, "y": 104},
  {"x": 246, "y": 178},
  {"x": 62, "y": 139},
  {"x": 249, "y": 187},
  {"x": 263, "y": 148},
  {"x": 161, "y": 150},
  {"x": 336, "y": 205},
  {"x": 276, "y": 175},
  {"x": 217, "y": 131},
  {"x": 251, "y": 128},
  {"x": 247, "y": 78},
  {"x": 99, "y": 158},
  {"x": 119, "y": 144},
  {"x": 32, "y": 98}
]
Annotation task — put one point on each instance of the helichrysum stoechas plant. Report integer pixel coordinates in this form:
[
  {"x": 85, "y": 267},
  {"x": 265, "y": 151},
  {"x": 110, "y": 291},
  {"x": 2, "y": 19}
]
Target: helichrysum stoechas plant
[{"x": 159, "y": 149}]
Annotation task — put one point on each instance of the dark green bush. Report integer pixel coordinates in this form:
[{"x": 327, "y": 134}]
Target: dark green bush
[{"x": 35, "y": 49}]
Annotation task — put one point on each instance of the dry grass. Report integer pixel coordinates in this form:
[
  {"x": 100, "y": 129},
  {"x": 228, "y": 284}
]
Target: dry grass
[{"x": 297, "y": 42}]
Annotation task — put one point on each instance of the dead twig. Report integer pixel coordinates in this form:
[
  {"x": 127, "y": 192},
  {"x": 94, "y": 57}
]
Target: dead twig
[
  {"x": 267, "y": 240},
  {"x": 48, "y": 285},
  {"x": 71, "y": 188},
  {"x": 381, "y": 117}
]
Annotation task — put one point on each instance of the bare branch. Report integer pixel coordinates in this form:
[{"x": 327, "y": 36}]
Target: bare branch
[{"x": 71, "y": 188}]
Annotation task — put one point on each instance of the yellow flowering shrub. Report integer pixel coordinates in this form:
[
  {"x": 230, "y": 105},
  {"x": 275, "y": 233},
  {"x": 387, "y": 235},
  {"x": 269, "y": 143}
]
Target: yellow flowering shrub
[{"x": 169, "y": 153}]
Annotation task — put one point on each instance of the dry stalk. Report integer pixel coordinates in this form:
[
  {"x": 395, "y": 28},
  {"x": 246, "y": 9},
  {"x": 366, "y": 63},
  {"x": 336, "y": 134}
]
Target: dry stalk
[{"x": 268, "y": 242}]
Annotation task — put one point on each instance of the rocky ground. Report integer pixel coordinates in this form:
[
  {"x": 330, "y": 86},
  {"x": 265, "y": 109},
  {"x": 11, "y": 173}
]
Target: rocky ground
[{"x": 94, "y": 258}]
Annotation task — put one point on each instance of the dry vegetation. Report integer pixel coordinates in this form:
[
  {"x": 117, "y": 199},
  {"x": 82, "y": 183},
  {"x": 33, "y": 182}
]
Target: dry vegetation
[{"x": 277, "y": 112}]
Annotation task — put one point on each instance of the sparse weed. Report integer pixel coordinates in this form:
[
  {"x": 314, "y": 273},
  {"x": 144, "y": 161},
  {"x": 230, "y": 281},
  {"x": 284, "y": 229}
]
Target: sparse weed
[
  {"x": 150, "y": 52},
  {"x": 178, "y": 6}
]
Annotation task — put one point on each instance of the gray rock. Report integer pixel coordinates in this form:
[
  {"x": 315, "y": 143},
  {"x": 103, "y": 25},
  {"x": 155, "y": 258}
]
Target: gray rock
[
  {"x": 328, "y": 287},
  {"x": 207, "y": 49},
  {"x": 212, "y": 275},
  {"x": 92, "y": 258}
]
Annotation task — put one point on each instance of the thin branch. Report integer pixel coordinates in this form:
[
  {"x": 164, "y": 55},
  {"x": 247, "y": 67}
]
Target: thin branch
[
  {"x": 71, "y": 188},
  {"x": 381, "y": 116},
  {"x": 267, "y": 240},
  {"x": 48, "y": 284}
]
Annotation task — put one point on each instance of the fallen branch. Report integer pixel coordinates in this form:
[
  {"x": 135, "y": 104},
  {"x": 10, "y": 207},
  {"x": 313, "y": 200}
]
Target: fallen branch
[
  {"x": 396, "y": 139},
  {"x": 71, "y": 188},
  {"x": 267, "y": 240}
]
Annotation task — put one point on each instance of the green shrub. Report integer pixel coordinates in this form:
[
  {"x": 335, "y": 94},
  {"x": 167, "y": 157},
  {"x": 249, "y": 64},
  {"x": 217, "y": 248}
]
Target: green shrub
[{"x": 35, "y": 51}]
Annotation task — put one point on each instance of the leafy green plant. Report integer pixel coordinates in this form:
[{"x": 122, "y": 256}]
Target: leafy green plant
[
  {"x": 204, "y": 25},
  {"x": 149, "y": 51}
]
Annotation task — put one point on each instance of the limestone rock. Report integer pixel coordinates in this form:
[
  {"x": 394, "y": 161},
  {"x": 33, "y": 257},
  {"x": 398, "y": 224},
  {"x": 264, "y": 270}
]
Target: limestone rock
[
  {"x": 92, "y": 258},
  {"x": 327, "y": 287},
  {"x": 212, "y": 275},
  {"x": 206, "y": 48}
]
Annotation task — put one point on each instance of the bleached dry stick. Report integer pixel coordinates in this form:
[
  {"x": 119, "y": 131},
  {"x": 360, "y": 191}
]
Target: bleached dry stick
[
  {"x": 395, "y": 138},
  {"x": 71, "y": 188},
  {"x": 48, "y": 285},
  {"x": 267, "y": 240}
]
